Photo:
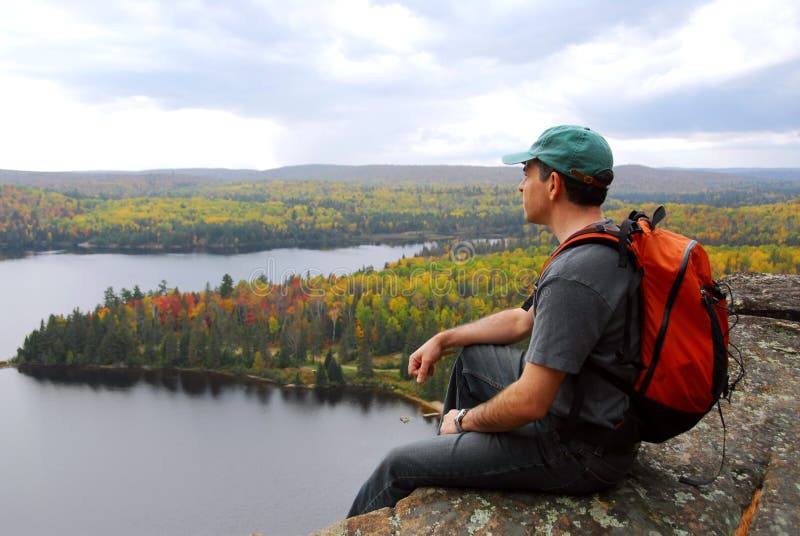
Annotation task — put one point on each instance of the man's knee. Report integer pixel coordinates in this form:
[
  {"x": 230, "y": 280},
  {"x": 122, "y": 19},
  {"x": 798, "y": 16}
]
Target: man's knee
[
  {"x": 472, "y": 355},
  {"x": 493, "y": 365}
]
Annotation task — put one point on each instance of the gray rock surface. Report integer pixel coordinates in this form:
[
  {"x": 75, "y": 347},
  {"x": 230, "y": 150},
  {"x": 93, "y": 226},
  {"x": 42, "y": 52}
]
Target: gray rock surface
[
  {"x": 761, "y": 453},
  {"x": 770, "y": 295}
]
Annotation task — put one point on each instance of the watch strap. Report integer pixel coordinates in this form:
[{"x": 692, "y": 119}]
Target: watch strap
[{"x": 459, "y": 418}]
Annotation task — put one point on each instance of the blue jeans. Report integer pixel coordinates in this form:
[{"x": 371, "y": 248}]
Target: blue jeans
[{"x": 530, "y": 458}]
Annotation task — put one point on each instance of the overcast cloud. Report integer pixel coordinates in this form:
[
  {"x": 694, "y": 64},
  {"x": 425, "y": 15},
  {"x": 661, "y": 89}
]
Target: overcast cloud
[{"x": 259, "y": 84}]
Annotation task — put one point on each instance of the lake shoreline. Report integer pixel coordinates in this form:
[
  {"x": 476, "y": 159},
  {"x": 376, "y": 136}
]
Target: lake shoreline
[
  {"x": 88, "y": 248},
  {"x": 427, "y": 407}
]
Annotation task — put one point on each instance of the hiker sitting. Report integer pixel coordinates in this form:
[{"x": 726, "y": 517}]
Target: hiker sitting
[{"x": 536, "y": 419}]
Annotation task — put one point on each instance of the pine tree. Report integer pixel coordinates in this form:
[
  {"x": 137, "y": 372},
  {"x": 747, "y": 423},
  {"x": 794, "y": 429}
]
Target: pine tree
[
  {"x": 184, "y": 345},
  {"x": 226, "y": 288},
  {"x": 110, "y": 299},
  {"x": 333, "y": 369},
  {"x": 321, "y": 377},
  {"x": 258, "y": 363},
  {"x": 402, "y": 368},
  {"x": 137, "y": 293},
  {"x": 169, "y": 349},
  {"x": 283, "y": 358},
  {"x": 364, "y": 367},
  {"x": 90, "y": 346},
  {"x": 301, "y": 348},
  {"x": 316, "y": 343}
]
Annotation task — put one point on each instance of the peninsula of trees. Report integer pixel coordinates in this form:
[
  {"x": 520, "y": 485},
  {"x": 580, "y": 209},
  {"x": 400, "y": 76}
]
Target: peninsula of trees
[{"x": 320, "y": 330}]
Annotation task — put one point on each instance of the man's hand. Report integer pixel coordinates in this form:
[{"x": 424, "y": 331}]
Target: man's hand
[
  {"x": 504, "y": 327},
  {"x": 449, "y": 423},
  {"x": 421, "y": 362}
]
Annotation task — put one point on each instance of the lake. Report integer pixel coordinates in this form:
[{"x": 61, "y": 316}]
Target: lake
[
  {"x": 168, "y": 453},
  {"x": 36, "y": 286},
  {"x": 153, "y": 453}
]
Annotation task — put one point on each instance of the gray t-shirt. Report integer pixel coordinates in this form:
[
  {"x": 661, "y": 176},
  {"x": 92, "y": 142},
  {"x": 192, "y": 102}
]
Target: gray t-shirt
[{"x": 579, "y": 307}]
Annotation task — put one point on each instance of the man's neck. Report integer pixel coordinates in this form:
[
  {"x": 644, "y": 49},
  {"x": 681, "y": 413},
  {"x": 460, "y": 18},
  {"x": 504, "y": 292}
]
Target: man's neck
[{"x": 572, "y": 219}]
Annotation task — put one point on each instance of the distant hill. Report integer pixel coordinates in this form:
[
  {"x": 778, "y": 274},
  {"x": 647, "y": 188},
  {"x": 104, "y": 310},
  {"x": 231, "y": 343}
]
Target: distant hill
[
  {"x": 108, "y": 184},
  {"x": 642, "y": 179},
  {"x": 387, "y": 173},
  {"x": 781, "y": 174},
  {"x": 632, "y": 182},
  {"x": 315, "y": 172}
]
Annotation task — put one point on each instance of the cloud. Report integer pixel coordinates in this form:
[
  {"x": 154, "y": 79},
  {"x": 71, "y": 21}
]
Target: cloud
[
  {"x": 721, "y": 75},
  {"x": 717, "y": 149},
  {"x": 404, "y": 81},
  {"x": 716, "y": 44},
  {"x": 51, "y": 132}
]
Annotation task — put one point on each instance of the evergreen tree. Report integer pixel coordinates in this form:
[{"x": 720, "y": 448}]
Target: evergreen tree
[
  {"x": 213, "y": 354},
  {"x": 137, "y": 293},
  {"x": 316, "y": 342},
  {"x": 286, "y": 346},
  {"x": 110, "y": 299},
  {"x": 196, "y": 341},
  {"x": 105, "y": 351},
  {"x": 226, "y": 288},
  {"x": 333, "y": 369},
  {"x": 126, "y": 295},
  {"x": 301, "y": 348},
  {"x": 169, "y": 349},
  {"x": 321, "y": 377},
  {"x": 90, "y": 347},
  {"x": 347, "y": 343},
  {"x": 402, "y": 368},
  {"x": 184, "y": 345},
  {"x": 283, "y": 358},
  {"x": 364, "y": 368},
  {"x": 258, "y": 363}
]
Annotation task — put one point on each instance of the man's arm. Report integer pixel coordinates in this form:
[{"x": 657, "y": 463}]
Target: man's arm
[
  {"x": 525, "y": 400},
  {"x": 504, "y": 327}
]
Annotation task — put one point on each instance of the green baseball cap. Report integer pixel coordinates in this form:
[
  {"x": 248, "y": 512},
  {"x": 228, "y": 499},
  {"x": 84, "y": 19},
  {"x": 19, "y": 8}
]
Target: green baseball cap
[{"x": 578, "y": 152}]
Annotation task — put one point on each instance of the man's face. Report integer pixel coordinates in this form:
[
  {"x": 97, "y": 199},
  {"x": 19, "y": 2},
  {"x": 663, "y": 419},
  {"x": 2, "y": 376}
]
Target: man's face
[{"x": 534, "y": 192}]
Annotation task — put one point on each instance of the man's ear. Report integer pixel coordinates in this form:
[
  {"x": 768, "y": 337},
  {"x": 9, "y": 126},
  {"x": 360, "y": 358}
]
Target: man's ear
[{"x": 554, "y": 185}]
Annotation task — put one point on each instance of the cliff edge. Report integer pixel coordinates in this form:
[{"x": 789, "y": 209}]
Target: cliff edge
[{"x": 758, "y": 489}]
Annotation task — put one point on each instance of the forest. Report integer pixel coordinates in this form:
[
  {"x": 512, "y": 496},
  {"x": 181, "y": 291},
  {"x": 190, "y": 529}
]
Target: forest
[
  {"x": 357, "y": 328},
  {"x": 226, "y": 217}
]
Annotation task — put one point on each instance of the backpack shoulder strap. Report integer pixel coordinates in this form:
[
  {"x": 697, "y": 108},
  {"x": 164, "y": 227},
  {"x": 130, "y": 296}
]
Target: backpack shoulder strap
[{"x": 593, "y": 234}]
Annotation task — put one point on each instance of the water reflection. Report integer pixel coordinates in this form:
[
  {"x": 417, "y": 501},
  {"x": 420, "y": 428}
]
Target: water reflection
[
  {"x": 330, "y": 396},
  {"x": 194, "y": 384},
  {"x": 169, "y": 380},
  {"x": 198, "y": 384},
  {"x": 260, "y": 390},
  {"x": 252, "y": 460},
  {"x": 111, "y": 379}
]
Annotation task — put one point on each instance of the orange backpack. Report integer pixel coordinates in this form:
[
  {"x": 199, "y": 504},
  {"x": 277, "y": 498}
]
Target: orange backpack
[{"x": 683, "y": 359}]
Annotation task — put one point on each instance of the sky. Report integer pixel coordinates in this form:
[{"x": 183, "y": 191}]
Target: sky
[{"x": 259, "y": 84}]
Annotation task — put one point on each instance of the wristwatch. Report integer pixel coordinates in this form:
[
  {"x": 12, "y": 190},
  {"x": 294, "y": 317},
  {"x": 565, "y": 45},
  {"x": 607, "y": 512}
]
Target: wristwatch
[{"x": 459, "y": 418}]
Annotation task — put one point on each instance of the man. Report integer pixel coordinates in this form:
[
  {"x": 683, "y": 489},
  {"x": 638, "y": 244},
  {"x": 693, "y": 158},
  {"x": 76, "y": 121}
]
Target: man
[{"x": 536, "y": 419}]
